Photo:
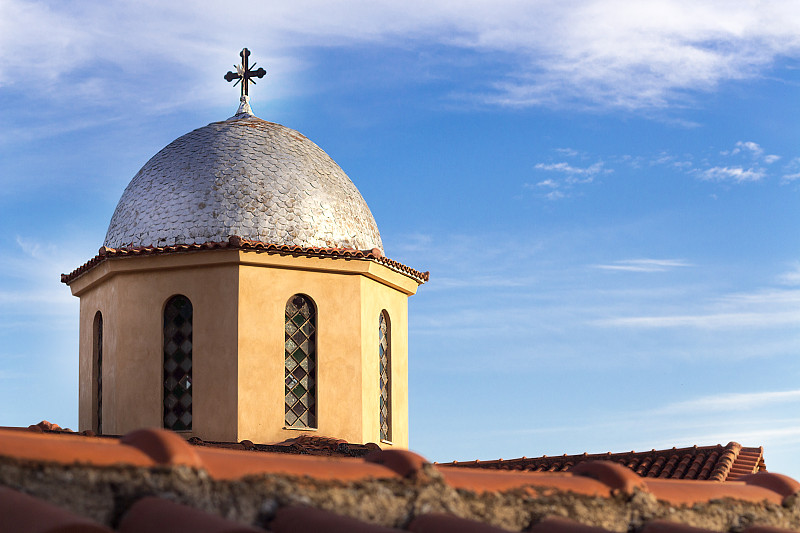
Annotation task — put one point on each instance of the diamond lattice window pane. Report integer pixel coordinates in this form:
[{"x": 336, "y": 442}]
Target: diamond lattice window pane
[
  {"x": 300, "y": 341},
  {"x": 290, "y": 346},
  {"x": 98, "y": 346},
  {"x": 169, "y": 401},
  {"x": 186, "y": 400},
  {"x": 178, "y": 364},
  {"x": 384, "y": 358}
]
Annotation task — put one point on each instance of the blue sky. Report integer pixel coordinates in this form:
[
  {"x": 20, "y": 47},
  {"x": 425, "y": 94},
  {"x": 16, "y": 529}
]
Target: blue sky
[{"x": 605, "y": 193}]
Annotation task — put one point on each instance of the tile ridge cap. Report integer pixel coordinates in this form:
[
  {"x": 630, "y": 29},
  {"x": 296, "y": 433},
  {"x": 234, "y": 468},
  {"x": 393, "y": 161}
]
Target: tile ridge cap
[
  {"x": 240, "y": 243},
  {"x": 725, "y": 462}
]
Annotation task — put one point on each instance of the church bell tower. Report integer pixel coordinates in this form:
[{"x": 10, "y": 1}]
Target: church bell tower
[{"x": 242, "y": 292}]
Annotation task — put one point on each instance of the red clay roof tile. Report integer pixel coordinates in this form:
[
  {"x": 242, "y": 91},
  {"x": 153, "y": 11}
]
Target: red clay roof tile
[
  {"x": 766, "y": 529},
  {"x": 232, "y": 464},
  {"x": 363, "y": 486},
  {"x": 68, "y": 449},
  {"x": 403, "y": 462},
  {"x": 783, "y": 485},
  {"x": 620, "y": 479},
  {"x": 297, "y": 519},
  {"x": 478, "y": 480},
  {"x": 663, "y": 526},
  {"x": 689, "y": 492},
  {"x": 304, "y": 444},
  {"x": 20, "y": 513},
  {"x": 150, "y": 515},
  {"x": 163, "y": 447},
  {"x": 444, "y": 523},
  {"x": 716, "y": 463},
  {"x": 237, "y": 243},
  {"x": 555, "y": 524}
]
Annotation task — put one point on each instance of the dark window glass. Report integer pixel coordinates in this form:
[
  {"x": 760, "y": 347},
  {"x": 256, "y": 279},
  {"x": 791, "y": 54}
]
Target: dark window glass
[
  {"x": 384, "y": 352},
  {"x": 97, "y": 350},
  {"x": 178, "y": 364},
  {"x": 301, "y": 362}
]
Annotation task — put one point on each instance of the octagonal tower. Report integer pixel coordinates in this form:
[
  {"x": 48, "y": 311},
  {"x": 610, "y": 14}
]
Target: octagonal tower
[{"x": 242, "y": 293}]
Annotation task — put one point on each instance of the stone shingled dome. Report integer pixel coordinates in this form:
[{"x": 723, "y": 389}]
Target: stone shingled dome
[{"x": 245, "y": 177}]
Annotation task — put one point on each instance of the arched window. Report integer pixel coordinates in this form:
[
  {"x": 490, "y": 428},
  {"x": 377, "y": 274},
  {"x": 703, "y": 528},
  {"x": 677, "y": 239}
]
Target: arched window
[
  {"x": 301, "y": 362},
  {"x": 178, "y": 364},
  {"x": 385, "y": 354},
  {"x": 97, "y": 370}
]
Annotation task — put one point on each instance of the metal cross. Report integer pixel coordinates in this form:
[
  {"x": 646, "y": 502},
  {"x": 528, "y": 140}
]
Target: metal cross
[{"x": 244, "y": 72}]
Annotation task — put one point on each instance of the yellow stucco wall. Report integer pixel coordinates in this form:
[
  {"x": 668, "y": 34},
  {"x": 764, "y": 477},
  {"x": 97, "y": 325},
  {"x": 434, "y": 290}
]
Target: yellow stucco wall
[
  {"x": 132, "y": 303},
  {"x": 376, "y": 298},
  {"x": 238, "y": 299}
]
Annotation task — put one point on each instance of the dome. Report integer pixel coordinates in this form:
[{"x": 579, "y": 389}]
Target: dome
[{"x": 245, "y": 177}]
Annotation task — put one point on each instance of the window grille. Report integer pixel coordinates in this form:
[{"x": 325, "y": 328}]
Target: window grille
[
  {"x": 98, "y": 370},
  {"x": 178, "y": 364},
  {"x": 300, "y": 362},
  {"x": 384, "y": 351}
]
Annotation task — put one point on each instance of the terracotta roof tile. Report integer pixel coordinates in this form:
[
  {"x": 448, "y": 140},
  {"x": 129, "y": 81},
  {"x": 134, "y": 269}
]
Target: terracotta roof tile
[
  {"x": 149, "y": 515},
  {"x": 554, "y": 524},
  {"x": 663, "y": 526},
  {"x": 445, "y": 523},
  {"x": 237, "y": 243},
  {"x": 715, "y": 463},
  {"x": 765, "y": 529},
  {"x": 126, "y": 483},
  {"x": 478, "y": 480},
  {"x": 230, "y": 464},
  {"x": 689, "y": 492},
  {"x": 297, "y": 519},
  {"x": 20, "y": 513}
]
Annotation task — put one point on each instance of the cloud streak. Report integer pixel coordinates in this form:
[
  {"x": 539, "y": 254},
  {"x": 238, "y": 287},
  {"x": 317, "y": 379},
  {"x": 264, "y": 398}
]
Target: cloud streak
[
  {"x": 607, "y": 53},
  {"x": 731, "y": 402},
  {"x": 565, "y": 176},
  {"x": 762, "y": 309},
  {"x": 736, "y": 174},
  {"x": 644, "y": 265}
]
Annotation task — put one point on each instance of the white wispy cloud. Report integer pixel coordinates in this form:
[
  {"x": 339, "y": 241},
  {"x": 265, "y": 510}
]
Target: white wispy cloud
[
  {"x": 791, "y": 171},
  {"x": 644, "y": 265},
  {"x": 790, "y": 277},
  {"x": 736, "y": 174},
  {"x": 547, "y": 183},
  {"x": 31, "y": 282},
  {"x": 749, "y": 146},
  {"x": 565, "y": 177},
  {"x": 768, "y": 308},
  {"x": 752, "y": 149},
  {"x": 554, "y": 195},
  {"x": 747, "y": 161},
  {"x": 567, "y": 152},
  {"x": 572, "y": 171},
  {"x": 731, "y": 402},
  {"x": 601, "y": 52}
]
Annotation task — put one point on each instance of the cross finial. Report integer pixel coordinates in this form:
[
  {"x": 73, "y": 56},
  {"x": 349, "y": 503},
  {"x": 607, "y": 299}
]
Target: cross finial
[{"x": 245, "y": 74}]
